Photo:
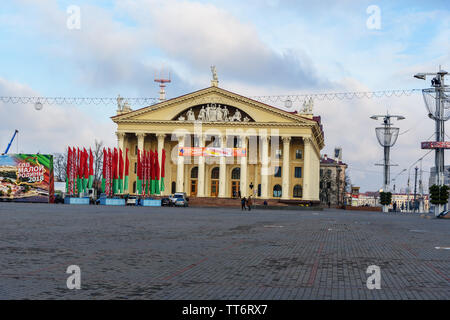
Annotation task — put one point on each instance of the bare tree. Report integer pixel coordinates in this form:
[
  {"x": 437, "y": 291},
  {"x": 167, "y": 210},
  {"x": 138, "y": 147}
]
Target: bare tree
[
  {"x": 59, "y": 166},
  {"x": 98, "y": 163}
]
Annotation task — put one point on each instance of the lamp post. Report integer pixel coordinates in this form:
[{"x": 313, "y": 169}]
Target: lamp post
[
  {"x": 437, "y": 102},
  {"x": 387, "y": 136}
]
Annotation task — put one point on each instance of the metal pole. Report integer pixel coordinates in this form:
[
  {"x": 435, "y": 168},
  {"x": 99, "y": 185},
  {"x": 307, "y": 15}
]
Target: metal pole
[
  {"x": 415, "y": 189},
  {"x": 439, "y": 155}
]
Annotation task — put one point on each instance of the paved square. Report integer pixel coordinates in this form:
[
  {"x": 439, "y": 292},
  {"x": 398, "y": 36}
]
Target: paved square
[{"x": 202, "y": 253}]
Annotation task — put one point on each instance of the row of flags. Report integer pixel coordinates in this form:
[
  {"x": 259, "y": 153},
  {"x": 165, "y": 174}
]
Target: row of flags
[
  {"x": 115, "y": 174},
  {"x": 80, "y": 170},
  {"x": 150, "y": 175}
]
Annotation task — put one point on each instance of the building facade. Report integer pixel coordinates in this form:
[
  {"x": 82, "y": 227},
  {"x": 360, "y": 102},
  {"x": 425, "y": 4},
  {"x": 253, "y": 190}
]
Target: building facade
[
  {"x": 332, "y": 181},
  {"x": 221, "y": 144}
]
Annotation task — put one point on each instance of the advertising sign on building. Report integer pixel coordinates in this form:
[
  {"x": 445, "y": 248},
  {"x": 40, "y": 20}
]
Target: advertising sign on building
[
  {"x": 212, "y": 152},
  {"x": 26, "y": 178}
]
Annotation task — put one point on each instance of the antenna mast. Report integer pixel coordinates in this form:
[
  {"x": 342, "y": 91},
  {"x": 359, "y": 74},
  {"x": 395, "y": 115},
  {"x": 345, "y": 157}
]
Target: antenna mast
[{"x": 162, "y": 81}]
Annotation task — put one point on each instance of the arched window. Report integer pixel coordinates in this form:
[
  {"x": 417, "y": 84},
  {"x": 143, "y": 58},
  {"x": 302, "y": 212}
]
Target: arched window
[
  {"x": 215, "y": 173},
  {"x": 194, "y": 173},
  {"x": 297, "y": 191},
  {"x": 236, "y": 173},
  {"x": 277, "y": 191}
]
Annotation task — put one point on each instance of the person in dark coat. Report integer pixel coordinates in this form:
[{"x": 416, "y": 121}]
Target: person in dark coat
[{"x": 243, "y": 201}]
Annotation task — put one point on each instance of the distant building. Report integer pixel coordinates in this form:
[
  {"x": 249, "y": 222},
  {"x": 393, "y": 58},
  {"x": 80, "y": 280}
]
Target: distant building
[
  {"x": 332, "y": 179},
  {"x": 432, "y": 179}
]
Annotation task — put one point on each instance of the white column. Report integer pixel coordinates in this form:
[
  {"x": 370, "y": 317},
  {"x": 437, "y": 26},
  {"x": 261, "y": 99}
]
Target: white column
[
  {"x": 222, "y": 170},
  {"x": 285, "y": 170},
  {"x": 201, "y": 170},
  {"x": 307, "y": 168},
  {"x": 120, "y": 139},
  {"x": 244, "y": 186},
  {"x": 265, "y": 167},
  {"x": 180, "y": 167},
  {"x": 140, "y": 141}
]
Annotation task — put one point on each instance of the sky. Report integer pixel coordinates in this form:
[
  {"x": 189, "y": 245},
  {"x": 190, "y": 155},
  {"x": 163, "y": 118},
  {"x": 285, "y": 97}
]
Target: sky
[{"x": 259, "y": 47}]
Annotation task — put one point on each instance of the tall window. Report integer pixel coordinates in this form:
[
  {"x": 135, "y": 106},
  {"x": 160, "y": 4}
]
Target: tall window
[
  {"x": 297, "y": 191},
  {"x": 298, "y": 154},
  {"x": 278, "y": 153},
  {"x": 194, "y": 173},
  {"x": 236, "y": 142},
  {"x": 298, "y": 172},
  {"x": 134, "y": 187},
  {"x": 236, "y": 173},
  {"x": 215, "y": 173},
  {"x": 135, "y": 167},
  {"x": 135, "y": 150},
  {"x": 259, "y": 190},
  {"x": 277, "y": 191},
  {"x": 277, "y": 172}
]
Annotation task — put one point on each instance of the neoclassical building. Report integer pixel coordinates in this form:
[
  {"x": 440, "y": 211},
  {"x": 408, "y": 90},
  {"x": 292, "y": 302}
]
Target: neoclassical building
[{"x": 221, "y": 144}]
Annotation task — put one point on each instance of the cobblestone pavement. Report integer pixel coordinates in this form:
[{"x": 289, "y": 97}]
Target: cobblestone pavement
[{"x": 201, "y": 253}]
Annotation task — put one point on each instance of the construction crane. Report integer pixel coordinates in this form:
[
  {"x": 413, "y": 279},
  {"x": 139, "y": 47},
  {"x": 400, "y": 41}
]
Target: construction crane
[{"x": 12, "y": 139}]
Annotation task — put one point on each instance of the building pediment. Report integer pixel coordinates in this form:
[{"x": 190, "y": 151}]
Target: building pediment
[{"x": 212, "y": 104}]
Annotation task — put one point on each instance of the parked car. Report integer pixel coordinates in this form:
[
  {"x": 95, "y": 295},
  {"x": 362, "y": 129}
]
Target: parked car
[
  {"x": 179, "y": 195},
  {"x": 131, "y": 201},
  {"x": 165, "y": 202},
  {"x": 181, "y": 202}
]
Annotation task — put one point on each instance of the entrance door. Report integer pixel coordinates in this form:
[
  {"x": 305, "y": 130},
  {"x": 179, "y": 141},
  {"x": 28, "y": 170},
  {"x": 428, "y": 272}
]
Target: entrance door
[
  {"x": 193, "y": 187},
  {"x": 214, "y": 188},
  {"x": 235, "y": 187}
]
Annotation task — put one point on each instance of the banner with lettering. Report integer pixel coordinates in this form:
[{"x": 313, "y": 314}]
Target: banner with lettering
[
  {"x": 27, "y": 177},
  {"x": 211, "y": 152}
]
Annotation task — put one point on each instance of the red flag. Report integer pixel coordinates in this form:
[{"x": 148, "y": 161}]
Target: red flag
[
  {"x": 156, "y": 166},
  {"x": 85, "y": 164},
  {"x": 152, "y": 165},
  {"x": 139, "y": 165},
  {"x": 127, "y": 162},
  {"x": 91, "y": 163},
  {"x": 120, "y": 164},
  {"x": 163, "y": 163}
]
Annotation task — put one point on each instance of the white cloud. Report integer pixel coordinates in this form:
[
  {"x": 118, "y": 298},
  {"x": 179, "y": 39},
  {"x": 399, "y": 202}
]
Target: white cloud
[{"x": 51, "y": 129}]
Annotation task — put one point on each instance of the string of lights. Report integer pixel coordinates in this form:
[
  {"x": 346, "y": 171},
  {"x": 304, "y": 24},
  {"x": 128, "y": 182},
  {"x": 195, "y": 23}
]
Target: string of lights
[{"x": 267, "y": 98}]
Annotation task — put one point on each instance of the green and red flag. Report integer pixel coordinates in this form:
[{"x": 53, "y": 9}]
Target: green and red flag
[
  {"x": 115, "y": 172},
  {"x": 145, "y": 172},
  {"x": 91, "y": 169},
  {"x": 152, "y": 172},
  {"x": 79, "y": 171},
  {"x": 68, "y": 170},
  {"x": 139, "y": 173},
  {"x": 104, "y": 166},
  {"x": 120, "y": 171},
  {"x": 127, "y": 165},
  {"x": 157, "y": 191},
  {"x": 85, "y": 170},
  {"x": 163, "y": 168}
]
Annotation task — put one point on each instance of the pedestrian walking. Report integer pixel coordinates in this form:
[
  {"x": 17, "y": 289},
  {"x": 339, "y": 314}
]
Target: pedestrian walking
[
  {"x": 243, "y": 200},
  {"x": 249, "y": 203}
]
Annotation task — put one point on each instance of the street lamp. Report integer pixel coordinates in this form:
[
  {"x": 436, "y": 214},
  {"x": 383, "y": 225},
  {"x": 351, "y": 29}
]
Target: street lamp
[
  {"x": 387, "y": 136},
  {"x": 437, "y": 102}
]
